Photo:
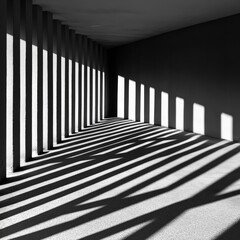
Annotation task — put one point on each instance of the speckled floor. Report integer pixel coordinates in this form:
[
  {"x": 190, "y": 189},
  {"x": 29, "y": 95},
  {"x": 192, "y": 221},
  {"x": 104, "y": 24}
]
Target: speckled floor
[{"x": 125, "y": 180}]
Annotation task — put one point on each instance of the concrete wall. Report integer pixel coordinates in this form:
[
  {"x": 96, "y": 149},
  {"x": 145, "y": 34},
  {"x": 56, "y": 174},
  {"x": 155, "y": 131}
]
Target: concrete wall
[
  {"x": 3, "y": 21},
  {"x": 200, "y": 64}
]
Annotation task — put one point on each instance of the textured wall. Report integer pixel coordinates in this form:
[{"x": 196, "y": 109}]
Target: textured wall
[{"x": 200, "y": 64}]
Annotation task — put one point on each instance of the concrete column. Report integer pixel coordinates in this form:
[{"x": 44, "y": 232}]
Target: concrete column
[
  {"x": 96, "y": 55},
  {"x": 58, "y": 36},
  {"x": 66, "y": 81},
  {"x": 79, "y": 51},
  {"x": 85, "y": 46},
  {"x": 90, "y": 55},
  {"x": 93, "y": 83},
  {"x": 112, "y": 86},
  {"x": 49, "y": 21},
  {"x": 38, "y": 41},
  {"x": 63, "y": 75},
  {"x": 73, "y": 56},
  {"x": 101, "y": 81},
  {"x": 70, "y": 80},
  {"x": 76, "y": 82},
  {"x": 55, "y": 81},
  {"x": 3, "y": 23},
  {"x": 16, "y": 84},
  {"x": 105, "y": 82},
  {"x": 45, "y": 82},
  {"x": 40, "y": 78},
  {"x": 13, "y": 85},
  {"x": 28, "y": 24}
]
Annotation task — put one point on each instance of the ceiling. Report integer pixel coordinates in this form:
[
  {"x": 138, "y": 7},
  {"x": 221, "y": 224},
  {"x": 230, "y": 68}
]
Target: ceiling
[{"x": 117, "y": 22}]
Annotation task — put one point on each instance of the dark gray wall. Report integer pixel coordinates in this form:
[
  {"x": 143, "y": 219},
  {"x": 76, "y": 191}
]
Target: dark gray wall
[
  {"x": 3, "y": 31},
  {"x": 200, "y": 64}
]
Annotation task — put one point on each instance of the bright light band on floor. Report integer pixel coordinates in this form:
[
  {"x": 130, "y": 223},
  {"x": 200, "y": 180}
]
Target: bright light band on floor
[
  {"x": 34, "y": 100},
  {"x": 198, "y": 118},
  {"x": 132, "y": 100},
  {"x": 151, "y": 105},
  {"x": 120, "y": 97},
  {"x": 164, "y": 109},
  {"x": 226, "y": 127},
  {"x": 179, "y": 113},
  {"x": 142, "y": 103},
  {"x": 62, "y": 97}
]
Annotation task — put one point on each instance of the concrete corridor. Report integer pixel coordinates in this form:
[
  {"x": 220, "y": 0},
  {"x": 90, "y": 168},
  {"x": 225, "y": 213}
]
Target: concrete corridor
[{"x": 121, "y": 179}]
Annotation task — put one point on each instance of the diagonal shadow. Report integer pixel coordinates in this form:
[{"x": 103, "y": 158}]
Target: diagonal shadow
[
  {"x": 68, "y": 211},
  {"x": 60, "y": 160},
  {"x": 167, "y": 213},
  {"x": 170, "y": 151},
  {"x": 94, "y": 171},
  {"x": 232, "y": 233}
]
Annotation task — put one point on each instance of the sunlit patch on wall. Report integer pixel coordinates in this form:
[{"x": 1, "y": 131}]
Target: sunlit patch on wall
[
  {"x": 99, "y": 91},
  {"x": 198, "y": 118},
  {"x": 164, "y": 109},
  {"x": 103, "y": 96},
  {"x": 63, "y": 97},
  {"x": 179, "y": 113},
  {"x": 54, "y": 99},
  {"x": 70, "y": 80},
  {"x": 151, "y": 105},
  {"x": 34, "y": 100},
  {"x": 76, "y": 95},
  {"x": 226, "y": 127},
  {"x": 22, "y": 100},
  {"x": 45, "y": 99},
  {"x": 132, "y": 100},
  {"x": 88, "y": 96},
  {"x": 94, "y": 96},
  {"x": 142, "y": 103},
  {"x": 120, "y": 97},
  {"x": 9, "y": 110},
  {"x": 82, "y": 98}
]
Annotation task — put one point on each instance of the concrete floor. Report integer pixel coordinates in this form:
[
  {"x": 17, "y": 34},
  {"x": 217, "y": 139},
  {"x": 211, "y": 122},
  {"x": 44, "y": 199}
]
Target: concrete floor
[{"x": 125, "y": 180}]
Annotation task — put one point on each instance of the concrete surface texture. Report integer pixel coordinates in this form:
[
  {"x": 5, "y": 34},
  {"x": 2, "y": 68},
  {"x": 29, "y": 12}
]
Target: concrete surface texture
[
  {"x": 199, "y": 64},
  {"x": 114, "y": 23},
  {"x": 121, "y": 179}
]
